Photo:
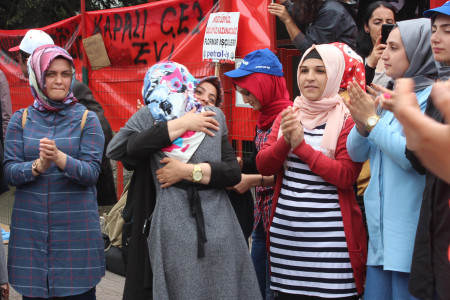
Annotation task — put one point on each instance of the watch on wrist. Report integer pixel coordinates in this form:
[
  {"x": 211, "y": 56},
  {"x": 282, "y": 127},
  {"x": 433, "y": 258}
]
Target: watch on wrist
[
  {"x": 197, "y": 174},
  {"x": 34, "y": 167},
  {"x": 371, "y": 122}
]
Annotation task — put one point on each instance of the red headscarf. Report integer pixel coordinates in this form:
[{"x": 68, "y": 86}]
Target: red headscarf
[
  {"x": 354, "y": 67},
  {"x": 271, "y": 91}
]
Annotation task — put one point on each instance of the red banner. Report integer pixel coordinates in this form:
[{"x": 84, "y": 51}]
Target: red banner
[{"x": 135, "y": 38}]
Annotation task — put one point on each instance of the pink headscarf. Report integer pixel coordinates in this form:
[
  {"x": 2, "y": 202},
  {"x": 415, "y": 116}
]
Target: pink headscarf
[
  {"x": 38, "y": 64},
  {"x": 329, "y": 108}
]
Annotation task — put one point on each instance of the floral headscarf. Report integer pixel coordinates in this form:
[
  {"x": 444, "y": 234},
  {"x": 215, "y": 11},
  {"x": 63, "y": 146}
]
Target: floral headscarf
[
  {"x": 168, "y": 92},
  {"x": 38, "y": 64}
]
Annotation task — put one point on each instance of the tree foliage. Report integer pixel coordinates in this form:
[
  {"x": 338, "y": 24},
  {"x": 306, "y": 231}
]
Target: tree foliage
[{"x": 25, "y": 14}]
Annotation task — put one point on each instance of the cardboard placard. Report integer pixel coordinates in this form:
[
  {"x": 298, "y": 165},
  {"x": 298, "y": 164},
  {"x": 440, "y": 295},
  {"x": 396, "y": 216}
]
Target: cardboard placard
[{"x": 96, "y": 52}]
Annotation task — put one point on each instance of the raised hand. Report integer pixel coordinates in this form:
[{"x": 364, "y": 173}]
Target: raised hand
[
  {"x": 279, "y": 11},
  {"x": 291, "y": 128},
  {"x": 375, "y": 55},
  {"x": 441, "y": 98},
  {"x": 139, "y": 104},
  {"x": 361, "y": 106}
]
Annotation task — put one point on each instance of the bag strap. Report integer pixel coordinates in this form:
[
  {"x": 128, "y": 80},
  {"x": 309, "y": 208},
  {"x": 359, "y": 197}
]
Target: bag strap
[
  {"x": 83, "y": 119},
  {"x": 24, "y": 117}
]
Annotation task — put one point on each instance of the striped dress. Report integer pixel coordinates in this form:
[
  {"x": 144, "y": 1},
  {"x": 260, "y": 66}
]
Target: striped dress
[{"x": 308, "y": 249}]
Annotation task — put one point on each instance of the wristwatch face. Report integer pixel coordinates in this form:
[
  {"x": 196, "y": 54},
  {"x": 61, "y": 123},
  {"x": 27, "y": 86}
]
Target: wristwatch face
[
  {"x": 371, "y": 121},
  {"x": 197, "y": 176}
]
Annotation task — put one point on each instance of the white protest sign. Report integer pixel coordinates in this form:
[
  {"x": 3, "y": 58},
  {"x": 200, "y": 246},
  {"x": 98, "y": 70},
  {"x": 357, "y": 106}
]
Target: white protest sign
[{"x": 219, "y": 44}]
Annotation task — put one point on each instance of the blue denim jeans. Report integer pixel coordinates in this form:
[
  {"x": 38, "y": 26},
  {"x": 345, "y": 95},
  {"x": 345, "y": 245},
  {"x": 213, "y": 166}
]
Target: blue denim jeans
[
  {"x": 260, "y": 261},
  {"x": 388, "y": 285}
]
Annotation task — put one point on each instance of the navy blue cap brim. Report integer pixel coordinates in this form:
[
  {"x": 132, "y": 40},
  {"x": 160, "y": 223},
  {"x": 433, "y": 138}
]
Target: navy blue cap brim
[
  {"x": 237, "y": 73},
  {"x": 443, "y": 10}
]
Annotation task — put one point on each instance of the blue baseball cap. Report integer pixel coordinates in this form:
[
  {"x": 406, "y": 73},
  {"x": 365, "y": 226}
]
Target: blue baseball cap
[
  {"x": 444, "y": 9},
  {"x": 258, "y": 61}
]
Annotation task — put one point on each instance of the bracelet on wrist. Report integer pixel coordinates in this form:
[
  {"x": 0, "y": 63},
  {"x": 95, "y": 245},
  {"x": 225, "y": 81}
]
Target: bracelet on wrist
[
  {"x": 262, "y": 181},
  {"x": 34, "y": 167}
]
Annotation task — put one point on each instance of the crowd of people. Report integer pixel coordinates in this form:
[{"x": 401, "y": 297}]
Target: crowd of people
[{"x": 351, "y": 178}]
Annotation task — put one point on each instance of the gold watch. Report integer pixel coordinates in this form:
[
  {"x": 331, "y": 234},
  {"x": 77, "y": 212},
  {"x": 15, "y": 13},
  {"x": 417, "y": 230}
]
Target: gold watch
[
  {"x": 34, "y": 167},
  {"x": 371, "y": 122},
  {"x": 197, "y": 174}
]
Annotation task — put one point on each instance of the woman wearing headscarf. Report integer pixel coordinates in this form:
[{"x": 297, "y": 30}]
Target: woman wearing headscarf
[
  {"x": 53, "y": 151},
  {"x": 195, "y": 245},
  {"x": 394, "y": 194},
  {"x": 260, "y": 81},
  {"x": 209, "y": 91},
  {"x": 317, "y": 240}
]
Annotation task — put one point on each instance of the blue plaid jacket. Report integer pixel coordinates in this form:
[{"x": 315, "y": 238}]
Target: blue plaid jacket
[{"x": 56, "y": 246}]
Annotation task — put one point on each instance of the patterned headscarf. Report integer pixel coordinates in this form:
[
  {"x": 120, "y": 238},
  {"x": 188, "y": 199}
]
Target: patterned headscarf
[
  {"x": 354, "y": 67},
  {"x": 38, "y": 64},
  {"x": 168, "y": 92}
]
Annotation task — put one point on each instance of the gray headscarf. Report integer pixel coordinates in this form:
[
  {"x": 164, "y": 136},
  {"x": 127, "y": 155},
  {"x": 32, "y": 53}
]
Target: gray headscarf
[
  {"x": 416, "y": 35},
  {"x": 443, "y": 70}
]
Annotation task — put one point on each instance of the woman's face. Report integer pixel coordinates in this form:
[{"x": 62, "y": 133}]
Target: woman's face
[
  {"x": 440, "y": 39},
  {"x": 58, "y": 79},
  {"x": 394, "y": 56},
  {"x": 312, "y": 79},
  {"x": 249, "y": 98},
  {"x": 380, "y": 16},
  {"x": 206, "y": 93}
]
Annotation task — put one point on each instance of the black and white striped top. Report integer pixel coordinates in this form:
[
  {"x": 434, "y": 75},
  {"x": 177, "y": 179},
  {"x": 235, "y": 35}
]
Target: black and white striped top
[{"x": 308, "y": 250}]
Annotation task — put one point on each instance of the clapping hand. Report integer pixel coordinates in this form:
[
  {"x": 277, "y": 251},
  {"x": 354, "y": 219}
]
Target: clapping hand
[
  {"x": 291, "y": 128},
  {"x": 361, "y": 106}
]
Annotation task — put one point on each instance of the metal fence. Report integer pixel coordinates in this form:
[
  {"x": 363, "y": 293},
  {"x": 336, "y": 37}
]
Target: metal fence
[{"x": 120, "y": 106}]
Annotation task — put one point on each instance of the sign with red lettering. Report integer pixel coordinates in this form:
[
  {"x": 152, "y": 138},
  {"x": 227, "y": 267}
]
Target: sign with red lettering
[{"x": 221, "y": 37}]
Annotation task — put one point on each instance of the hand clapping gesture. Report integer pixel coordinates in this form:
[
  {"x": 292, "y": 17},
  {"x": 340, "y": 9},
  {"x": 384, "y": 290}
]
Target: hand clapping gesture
[
  {"x": 361, "y": 106},
  {"x": 49, "y": 153},
  {"x": 291, "y": 128}
]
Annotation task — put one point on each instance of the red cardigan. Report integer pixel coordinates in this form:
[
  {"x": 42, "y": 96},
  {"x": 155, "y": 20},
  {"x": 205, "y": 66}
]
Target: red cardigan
[{"x": 341, "y": 172}]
